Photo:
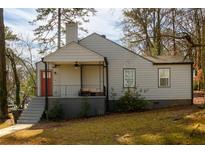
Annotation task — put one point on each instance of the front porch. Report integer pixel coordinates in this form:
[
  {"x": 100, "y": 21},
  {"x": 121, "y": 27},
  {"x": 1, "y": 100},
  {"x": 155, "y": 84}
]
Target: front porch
[
  {"x": 71, "y": 77},
  {"x": 78, "y": 79},
  {"x": 73, "y": 84},
  {"x": 71, "y": 71}
]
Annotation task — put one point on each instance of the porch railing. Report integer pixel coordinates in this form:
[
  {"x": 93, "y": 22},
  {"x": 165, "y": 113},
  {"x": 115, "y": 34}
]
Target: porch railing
[{"x": 75, "y": 90}]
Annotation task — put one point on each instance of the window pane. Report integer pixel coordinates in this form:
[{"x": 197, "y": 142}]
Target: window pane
[
  {"x": 48, "y": 75},
  {"x": 129, "y": 77},
  {"x": 164, "y": 82},
  {"x": 164, "y": 73}
]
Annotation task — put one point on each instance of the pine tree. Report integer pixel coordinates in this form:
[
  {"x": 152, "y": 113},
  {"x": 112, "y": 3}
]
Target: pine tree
[{"x": 52, "y": 24}]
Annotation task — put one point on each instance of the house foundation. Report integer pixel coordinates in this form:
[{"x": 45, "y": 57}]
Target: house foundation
[{"x": 74, "y": 107}]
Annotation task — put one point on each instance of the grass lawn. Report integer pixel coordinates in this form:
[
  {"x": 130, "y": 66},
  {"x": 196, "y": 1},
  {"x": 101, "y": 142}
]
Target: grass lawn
[{"x": 178, "y": 125}]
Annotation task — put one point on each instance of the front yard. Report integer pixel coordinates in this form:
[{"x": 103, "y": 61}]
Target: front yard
[{"x": 179, "y": 125}]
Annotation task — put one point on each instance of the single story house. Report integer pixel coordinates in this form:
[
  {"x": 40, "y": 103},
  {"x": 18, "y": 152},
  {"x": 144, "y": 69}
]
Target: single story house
[{"x": 98, "y": 70}]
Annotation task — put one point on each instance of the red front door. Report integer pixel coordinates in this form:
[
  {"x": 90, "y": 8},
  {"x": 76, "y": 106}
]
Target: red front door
[{"x": 43, "y": 83}]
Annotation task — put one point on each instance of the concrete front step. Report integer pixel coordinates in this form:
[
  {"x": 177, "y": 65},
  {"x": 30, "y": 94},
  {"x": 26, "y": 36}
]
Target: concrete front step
[
  {"x": 32, "y": 104},
  {"x": 27, "y": 121},
  {"x": 34, "y": 109},
  {"x": 30, "y": 113},
  {"x": 33, "y": 112},
  {"x": 38, "y": 102},
  {"x": 29, "y": 118}
]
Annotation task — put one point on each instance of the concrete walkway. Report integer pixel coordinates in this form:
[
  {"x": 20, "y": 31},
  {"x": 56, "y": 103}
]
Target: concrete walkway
[{"x": 14, "y": 128}]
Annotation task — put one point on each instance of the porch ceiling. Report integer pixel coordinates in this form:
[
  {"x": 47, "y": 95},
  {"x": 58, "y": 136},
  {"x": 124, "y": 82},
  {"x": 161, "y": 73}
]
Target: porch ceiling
[{"x": 73, "y": 52}]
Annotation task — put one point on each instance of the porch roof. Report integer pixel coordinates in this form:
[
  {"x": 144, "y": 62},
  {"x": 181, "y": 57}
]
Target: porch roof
[{"x": 73, "y": 52}]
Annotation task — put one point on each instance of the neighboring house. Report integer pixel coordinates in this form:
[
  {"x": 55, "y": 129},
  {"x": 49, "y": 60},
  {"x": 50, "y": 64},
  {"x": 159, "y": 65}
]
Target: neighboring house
[{"x": 97, "y": 70}]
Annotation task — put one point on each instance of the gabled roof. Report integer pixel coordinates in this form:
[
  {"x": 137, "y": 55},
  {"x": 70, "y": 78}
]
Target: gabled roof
[
  {"x": 73, "y": 52},
  {"x": 153, "y": 59},
  {"x": 103, "y": 36}
]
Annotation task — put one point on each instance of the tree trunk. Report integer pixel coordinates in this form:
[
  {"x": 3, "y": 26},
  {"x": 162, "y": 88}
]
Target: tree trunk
[
  {"x": 148, "y": 50},
  {"x": 158, "y": 32},
  {"x": 198, "y": 35},
  {"x": 173, "y": 30},
  {"x": 59, "y": 28},
  {"x": 203, "y": 53},
  {"x": 3, "y": 90}
]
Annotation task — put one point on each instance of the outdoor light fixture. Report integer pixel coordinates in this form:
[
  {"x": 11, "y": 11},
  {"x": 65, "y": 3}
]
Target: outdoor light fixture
[
  {"x": 76, "y": 65},
  {"x": 55, "y": 66}
]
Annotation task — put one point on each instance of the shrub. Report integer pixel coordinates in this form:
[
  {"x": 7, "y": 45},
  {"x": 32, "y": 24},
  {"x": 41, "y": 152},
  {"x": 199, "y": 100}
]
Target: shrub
[
  {"x": 85, "y": 108},
  {"x": 131, "y": 101},
  {"x": 56, "y": 112}
]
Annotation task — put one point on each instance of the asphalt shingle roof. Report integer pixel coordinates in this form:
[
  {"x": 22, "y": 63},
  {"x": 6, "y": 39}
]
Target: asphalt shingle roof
[{"x": 168, "y": 59}]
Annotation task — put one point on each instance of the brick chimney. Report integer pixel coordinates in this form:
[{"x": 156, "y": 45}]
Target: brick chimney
[{"x": 71, "y": 32}]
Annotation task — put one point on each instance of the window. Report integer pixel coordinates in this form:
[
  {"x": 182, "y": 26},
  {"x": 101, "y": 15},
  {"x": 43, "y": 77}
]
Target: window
[
  {"x": 129, "y": 77},
  {"x": 48, "y": 75},
  {"x": 164, "y": 77}
]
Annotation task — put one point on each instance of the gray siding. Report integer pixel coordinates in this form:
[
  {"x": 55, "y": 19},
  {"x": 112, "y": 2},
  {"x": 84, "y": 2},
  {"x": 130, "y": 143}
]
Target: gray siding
[
  {"x": 71, "y": 53},
  {"x": 146, "y": 72}
]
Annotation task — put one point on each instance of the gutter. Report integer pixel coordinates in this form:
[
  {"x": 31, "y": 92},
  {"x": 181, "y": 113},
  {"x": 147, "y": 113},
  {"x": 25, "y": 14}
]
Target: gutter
[{"x": 173, "y": 63}]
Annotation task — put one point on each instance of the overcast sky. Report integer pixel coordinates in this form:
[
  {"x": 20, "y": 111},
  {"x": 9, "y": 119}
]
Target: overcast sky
[{"x": 106, "y": 21}]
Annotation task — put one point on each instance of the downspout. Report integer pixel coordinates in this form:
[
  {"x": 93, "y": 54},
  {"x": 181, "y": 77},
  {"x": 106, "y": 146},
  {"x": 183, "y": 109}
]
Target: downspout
[
  {"x": 107, "y": 84},
  {"x": 192, "y": 94},
  {"x": 46, "y": 95}
]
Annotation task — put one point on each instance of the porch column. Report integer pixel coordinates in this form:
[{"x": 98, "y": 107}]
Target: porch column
[
  {"x": 81, "y": 78},
  {"x": 103, "y": 68},
  {"x": 107, "y": 84},
  {"x": 46, "y": 89}
]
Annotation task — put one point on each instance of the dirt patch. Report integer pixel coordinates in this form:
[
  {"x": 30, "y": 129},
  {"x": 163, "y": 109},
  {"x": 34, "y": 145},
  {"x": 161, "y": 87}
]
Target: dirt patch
[
  {"x": 199, "y": 97},
  {"x": 47, "y": 125}
]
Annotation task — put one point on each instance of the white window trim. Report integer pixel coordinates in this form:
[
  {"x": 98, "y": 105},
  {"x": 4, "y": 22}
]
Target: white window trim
[
  {"x": 169, "y": 81},
  {"x": 134, "y": 85}
]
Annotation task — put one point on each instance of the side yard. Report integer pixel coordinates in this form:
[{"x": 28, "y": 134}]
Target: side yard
[{"x": 178, "y": 125}]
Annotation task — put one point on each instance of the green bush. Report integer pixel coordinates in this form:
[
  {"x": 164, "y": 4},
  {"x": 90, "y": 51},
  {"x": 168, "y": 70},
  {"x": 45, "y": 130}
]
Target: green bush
[
  {"x": 85, "y": 108},
  {"x": 131, "y": 101},
  {"x": 56, "y": 112}
]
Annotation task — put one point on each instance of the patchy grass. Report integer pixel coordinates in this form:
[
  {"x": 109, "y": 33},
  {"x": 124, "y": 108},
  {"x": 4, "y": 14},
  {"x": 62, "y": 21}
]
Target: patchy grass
[{"x": 179, "y": 125}]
